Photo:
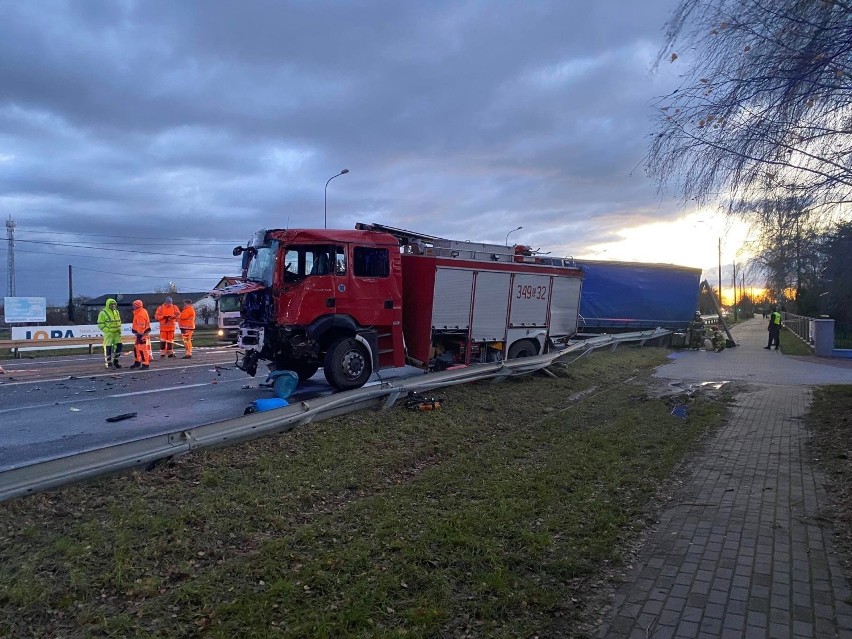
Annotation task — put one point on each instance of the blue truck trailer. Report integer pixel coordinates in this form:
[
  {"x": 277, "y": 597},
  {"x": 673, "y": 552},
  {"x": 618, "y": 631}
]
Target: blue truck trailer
[{"x": 620, "y": 297}]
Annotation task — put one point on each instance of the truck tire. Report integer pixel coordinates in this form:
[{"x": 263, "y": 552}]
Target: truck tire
[
  {"x": 347, "y": 364},
  {"x": 522, "y": 348}
]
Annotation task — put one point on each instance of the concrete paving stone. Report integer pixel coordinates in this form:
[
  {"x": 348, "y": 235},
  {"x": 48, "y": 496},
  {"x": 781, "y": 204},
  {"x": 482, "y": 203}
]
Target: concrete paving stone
[
  {"x": 779, "y": 615},
  {"x": 822, "y": 611},
  {"x": 738, "y": 594},
  {"x": 762, "y": 580},
  {"x": 659, "y": 594},
  {"x": 701, "y": 587},
  {"x": 718, "y": 596},
  {"x": 668, "y": 617},
  {"x": 680, "y": 590},
  {"x": 686, "y": 630},
  {"x": 757, "y": 618},
  {"x": 740, "y": 581},
  {"x": 779, "y": 631},
  {"x": 756, "y": 632},
  {"x": 704, "y": 575},
  {"x": 730, "y": 634},
  {"x": 733, "y": 622},
  {"x": 622, "y": 625},
  {"x": 802, "y": 613},
  {"x": 696, "y": 600},
  {"x": 691, "y": 613},
  {"x": 803, "y": 630},
  {"x": 645, "y": 621},
  {"x": 714, "y": 611},
  {"x": 652, "y": 606},
  {"x": 662, "y": 632},
  {"x": 759, "y": 592},
  {"x": 844, "y": 622},
  {"x": 676, "y": 604},
  {"x": 801, "y": 600},
  {"x": 780, "y": 577}
]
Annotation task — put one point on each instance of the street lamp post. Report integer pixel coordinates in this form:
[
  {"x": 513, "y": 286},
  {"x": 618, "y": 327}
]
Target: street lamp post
[
  {"x": 325, "y": 200},
  {"x": 510, "y": 232}
]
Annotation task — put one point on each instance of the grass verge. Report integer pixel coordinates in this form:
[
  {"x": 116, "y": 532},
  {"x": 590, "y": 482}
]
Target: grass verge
[
  {"x": 830, "y": 422},
  {"x": 792, "y": 345},
  {"x": 493, "y": 516}
]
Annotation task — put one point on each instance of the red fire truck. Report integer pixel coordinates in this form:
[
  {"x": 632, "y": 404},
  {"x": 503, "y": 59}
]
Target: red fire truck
[{"x": 353, "y": 302}]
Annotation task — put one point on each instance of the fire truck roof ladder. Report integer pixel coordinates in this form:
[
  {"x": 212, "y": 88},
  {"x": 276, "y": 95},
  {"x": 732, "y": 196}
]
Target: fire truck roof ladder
[{"x": 442, "y": 247}]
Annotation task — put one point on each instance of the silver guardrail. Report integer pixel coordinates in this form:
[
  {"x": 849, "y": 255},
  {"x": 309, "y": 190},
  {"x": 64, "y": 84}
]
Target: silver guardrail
[{"x": 61, "y": 471}]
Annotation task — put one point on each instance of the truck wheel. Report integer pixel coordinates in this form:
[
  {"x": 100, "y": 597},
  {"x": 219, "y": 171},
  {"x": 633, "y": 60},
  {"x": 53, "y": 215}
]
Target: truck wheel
[
  {"x": 522, "y": 348},
  {"x": 347, "y": 364}
]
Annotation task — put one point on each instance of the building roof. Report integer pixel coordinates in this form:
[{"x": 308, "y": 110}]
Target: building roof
[
  {"x": 150, "y": 300},
  {"x": 226, "y": 281}
]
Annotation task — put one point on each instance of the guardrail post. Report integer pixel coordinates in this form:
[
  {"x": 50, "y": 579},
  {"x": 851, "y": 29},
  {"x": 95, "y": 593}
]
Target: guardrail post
[{"x": 823, "y": 337}]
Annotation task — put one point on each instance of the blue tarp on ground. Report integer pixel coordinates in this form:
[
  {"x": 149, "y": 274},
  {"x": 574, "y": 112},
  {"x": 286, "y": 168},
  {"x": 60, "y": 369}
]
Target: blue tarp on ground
[{"x": 637, "y": 296}]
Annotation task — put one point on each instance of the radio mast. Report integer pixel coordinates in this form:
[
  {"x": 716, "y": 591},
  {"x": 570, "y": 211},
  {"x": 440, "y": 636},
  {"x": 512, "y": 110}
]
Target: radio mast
[{"x": 10, "y": 259}]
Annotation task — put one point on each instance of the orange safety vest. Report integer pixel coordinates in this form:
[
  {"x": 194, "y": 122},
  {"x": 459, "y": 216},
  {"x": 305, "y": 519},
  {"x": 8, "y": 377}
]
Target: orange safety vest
[
  {"x": 141, "y": 321},
  {"x": 186, "y": 319},
  {"x": 167, "y": 315}
]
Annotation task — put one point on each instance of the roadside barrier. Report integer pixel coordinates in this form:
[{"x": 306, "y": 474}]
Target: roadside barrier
[{"x": 145, "y": 452}]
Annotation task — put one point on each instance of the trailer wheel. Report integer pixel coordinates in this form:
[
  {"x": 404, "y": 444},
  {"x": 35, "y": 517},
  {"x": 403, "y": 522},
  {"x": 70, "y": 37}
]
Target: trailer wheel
[
  {"x": 522, "y": 348},
  {"x": 347, "y": 364}
]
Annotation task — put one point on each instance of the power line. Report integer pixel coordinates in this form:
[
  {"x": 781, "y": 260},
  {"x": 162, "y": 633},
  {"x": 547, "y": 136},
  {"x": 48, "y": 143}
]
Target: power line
[
  {"x": 156, "y": 242},
  {"x": 101, "y": 248},
  {"x": 92, "y": 270},
  {"x": 106, "y": 257}
]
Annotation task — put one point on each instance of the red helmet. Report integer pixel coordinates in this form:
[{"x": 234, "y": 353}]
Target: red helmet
[{"x": 137, "y": 303}]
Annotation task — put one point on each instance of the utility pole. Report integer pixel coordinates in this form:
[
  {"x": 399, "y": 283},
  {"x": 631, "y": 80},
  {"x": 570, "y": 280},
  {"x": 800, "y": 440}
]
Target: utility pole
[
  {"x": 10, "y": 259},
  {"x": 735, "y": 291},
  {"x": 720, "y": 269},
  {"x": 70, "y": 296}
]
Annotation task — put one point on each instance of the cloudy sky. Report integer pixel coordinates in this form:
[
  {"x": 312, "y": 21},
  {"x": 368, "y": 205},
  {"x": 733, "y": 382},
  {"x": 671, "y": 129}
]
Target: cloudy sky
[{"x": 141, "y": 141}]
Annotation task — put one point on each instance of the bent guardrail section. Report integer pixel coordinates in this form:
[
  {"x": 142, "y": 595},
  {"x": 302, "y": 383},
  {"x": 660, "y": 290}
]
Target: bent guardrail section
[{"x": 143, "y": 452}]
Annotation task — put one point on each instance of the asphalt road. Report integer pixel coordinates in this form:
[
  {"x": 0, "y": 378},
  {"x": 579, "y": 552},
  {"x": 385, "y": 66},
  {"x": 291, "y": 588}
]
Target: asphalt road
[{"x": 52, "y": 407}]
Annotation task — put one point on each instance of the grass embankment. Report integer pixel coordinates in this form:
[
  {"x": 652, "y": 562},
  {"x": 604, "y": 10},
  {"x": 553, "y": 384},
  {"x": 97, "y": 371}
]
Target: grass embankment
[
  {"x": 493, "y": 517},
  {"x": 792, "y": 345},
  {"x": 830, "y": 421}
]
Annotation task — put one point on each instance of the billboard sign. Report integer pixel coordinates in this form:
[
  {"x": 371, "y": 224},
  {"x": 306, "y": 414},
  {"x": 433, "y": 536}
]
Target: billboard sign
[{"x": 23, "y": 310}]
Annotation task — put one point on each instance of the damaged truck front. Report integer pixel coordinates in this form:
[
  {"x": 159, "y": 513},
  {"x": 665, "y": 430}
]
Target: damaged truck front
[{"x": 316, "y": 298}]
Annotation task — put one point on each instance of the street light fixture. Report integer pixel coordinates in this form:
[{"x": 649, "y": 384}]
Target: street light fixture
[
  {"x": 510, "y": 232},
  {"x": 325, "y": 202}
]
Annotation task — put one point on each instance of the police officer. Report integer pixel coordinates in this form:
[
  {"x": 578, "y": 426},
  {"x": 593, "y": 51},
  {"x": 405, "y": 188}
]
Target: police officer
[{"x": 774, "y": 328}]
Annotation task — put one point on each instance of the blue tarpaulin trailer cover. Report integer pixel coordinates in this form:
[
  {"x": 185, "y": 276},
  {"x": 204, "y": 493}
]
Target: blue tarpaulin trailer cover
[{"x": 633, "y": 296}]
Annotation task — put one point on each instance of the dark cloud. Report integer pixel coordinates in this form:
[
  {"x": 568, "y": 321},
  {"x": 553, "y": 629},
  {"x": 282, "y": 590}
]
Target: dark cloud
[{"x": 185, "y": 126}]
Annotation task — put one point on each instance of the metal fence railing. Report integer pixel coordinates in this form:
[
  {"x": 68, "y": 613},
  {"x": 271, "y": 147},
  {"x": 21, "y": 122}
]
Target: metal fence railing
[{"x": 801, "y": 325}]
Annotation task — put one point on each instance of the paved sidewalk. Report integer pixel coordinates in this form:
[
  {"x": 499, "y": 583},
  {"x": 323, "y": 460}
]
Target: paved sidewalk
[{"x": 738, "y": 551}]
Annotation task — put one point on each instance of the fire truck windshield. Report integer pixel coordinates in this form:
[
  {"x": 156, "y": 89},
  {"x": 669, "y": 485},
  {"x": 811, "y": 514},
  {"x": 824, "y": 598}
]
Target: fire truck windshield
[{"x": 262, "y": 264}]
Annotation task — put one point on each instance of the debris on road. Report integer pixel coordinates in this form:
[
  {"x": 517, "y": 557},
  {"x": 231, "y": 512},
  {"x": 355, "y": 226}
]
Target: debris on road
[{"x": 122, "y": 417}]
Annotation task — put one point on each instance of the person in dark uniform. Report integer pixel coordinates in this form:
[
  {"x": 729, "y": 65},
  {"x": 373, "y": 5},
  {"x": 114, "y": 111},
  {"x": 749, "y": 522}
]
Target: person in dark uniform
[
  {"x": 774, "y": 329},
  {"x": 696, "y": 331}
]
